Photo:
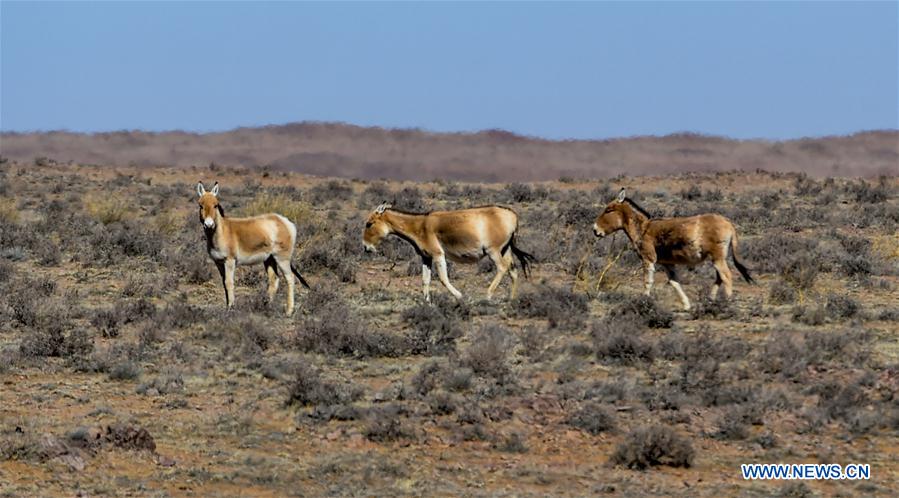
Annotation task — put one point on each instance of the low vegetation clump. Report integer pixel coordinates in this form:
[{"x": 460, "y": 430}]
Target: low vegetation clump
[
  {"x": 330, "y": 326},
  {"x": 9, "y": 213},
  {"x": 294, "y": 210},
  {"x": 593, "y": 419},
  {"x": 651, "y": 446},
  {"x": 561, "y": 307},
  {"x": 644, "y": 309},
  {"x": 107, "y": 209},
  {"x": 308, "y": 388},
  {"x": 386, "y": 424},
  {"x": 487, "y": 354},
  {"x": 435, "y": 326},
  {"x": 622, "y": 340}
]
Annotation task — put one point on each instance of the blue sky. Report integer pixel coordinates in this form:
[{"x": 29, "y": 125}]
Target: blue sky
[{"x": 556, "y": 70}]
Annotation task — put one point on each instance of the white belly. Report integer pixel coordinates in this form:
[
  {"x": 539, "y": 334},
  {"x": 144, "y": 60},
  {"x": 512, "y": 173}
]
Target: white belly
[
  {"x": 252, "y": 259},
  {"x": 217, "y": 255}
]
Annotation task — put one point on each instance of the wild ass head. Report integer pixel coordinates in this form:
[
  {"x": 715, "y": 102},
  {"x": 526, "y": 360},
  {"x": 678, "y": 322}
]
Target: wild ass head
[
  {"x": 616, "y": 214},
  {"x": 209, "y": 205},
  {"x": 376, "y": 228}
]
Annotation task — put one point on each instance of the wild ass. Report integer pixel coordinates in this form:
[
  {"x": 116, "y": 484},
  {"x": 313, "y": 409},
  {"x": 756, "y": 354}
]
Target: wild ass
[
  {"x": 674, "y": 241},
  {"x": 268, "y": 239},
  {"x": 464, "y": 236}
]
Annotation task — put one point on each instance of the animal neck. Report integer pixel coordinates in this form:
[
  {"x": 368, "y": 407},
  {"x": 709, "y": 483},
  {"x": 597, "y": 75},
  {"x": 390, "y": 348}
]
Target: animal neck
[
  {"x": 634, "y": 225},
  {"x": 213, "y": 234},
  {"x": 406, "y": 226}
]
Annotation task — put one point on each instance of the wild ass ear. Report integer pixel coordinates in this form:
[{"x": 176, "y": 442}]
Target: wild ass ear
[
  {"x": 622, "y": 195},
  {"x": 200, "y": 189},
  {"x": 215, "y": 189},
  {"x": 381, "y": 208}
]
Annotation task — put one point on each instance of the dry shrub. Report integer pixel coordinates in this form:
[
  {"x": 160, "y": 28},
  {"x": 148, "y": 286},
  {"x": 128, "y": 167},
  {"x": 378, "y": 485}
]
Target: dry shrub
[
  {"x": 645, "y": 310},
  {"x": 299, "y": 212},
  {"x": 701, "y": 346},
  {"x": 55, "y": 342},
  {"x": 782, "y": 293},
  {"x": 513, "y": 442},
  {"x": 308, "y": 388},
  {"x": 410, "y": 199},
  {"x": 195, "y": 267},
  {"x": 331, "y": 245},
  {"x": 9, "y": 213},
  {"x": 622, "y": 340},
  {"x": 800, "y": 271},
  {"x": 593, "y": 418},
  {"x": 331, "y": 326},
  {"x": 108, "y": 209},
  {"x": 333, "y": 190},
  {"x": 486, "y": 355},
  {"x": 869, "y": 193},
  {"x": 435, "y": 326},
  {"x": 734, "y": 423},
  {"x": 562, "y": 307},
  {"x": 718, "y": 308},
  {"x": 789, "y": 353},
  {"x": 813, "y": 315},
  {"x": 773, "y": 253},
  {"x": 168, "y": 223},
  {"x": 654, "y": 445},
  {"x": 841, "y": 306},
  {"x": 386, "y": 424},
  {"x": 442, "y": 403}
]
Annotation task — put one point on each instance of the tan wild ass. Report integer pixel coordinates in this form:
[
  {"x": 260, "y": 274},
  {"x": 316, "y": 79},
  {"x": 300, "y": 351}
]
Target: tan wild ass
[
  {"x": 674, "y": 241},
  {"x": 464, "y": 236},
  {"x": 268, "y": 239}
]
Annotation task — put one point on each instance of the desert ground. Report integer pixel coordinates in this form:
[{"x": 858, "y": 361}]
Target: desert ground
[{"x": 122, "y": 374}]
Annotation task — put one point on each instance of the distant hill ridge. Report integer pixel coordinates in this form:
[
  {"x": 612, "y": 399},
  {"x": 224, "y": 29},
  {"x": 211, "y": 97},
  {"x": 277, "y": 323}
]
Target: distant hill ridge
[{"x": 337, "y": 149}]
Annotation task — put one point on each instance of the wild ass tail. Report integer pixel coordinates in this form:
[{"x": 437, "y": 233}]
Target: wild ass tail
[
  {"x": 742, "y": 269},
  {"x": 299, "y": 277},
  {"x": 524, "y": 258}
]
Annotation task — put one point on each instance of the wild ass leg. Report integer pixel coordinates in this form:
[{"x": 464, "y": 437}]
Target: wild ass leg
[
  {"x": 230, "y": 267},
  {"x": 671, "y": 271},
  {"x": 649, "y": 270},
  {"x": 426, "y": 276},
  {"x": 221, "y": 268},
  {"x": 513, "y": 273},
  {"x": 502, "y": 266},
  {"x": 441, "y": 272},
  {"x": 725, "y": 276},
  {"x": 284, "y": 265},
  {"x": 271, "y": 268},
  {"x": 714, "y": 293}
]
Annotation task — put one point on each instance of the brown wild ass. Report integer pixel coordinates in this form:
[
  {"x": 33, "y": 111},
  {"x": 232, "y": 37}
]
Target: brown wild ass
[
  {"x": 464, "y": 236},
  {"x": 268, "y": 239},
  {"x": 674, "y": 241}
]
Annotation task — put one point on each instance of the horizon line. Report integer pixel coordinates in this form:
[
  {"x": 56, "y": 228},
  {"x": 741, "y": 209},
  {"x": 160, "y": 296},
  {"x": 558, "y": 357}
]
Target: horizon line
[{"x": 512, "y": 134}]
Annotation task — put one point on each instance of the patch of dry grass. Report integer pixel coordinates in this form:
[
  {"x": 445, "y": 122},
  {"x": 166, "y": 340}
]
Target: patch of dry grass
[
  {"x": 9, "y": 212},
  {"x": 108, "y": 209}
]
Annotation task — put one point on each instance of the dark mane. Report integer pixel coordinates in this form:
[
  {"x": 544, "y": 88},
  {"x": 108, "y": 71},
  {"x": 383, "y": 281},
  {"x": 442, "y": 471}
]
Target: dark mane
[
  {"x": 403, "y": 211},
  {"x": 638, "y": 208}
]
